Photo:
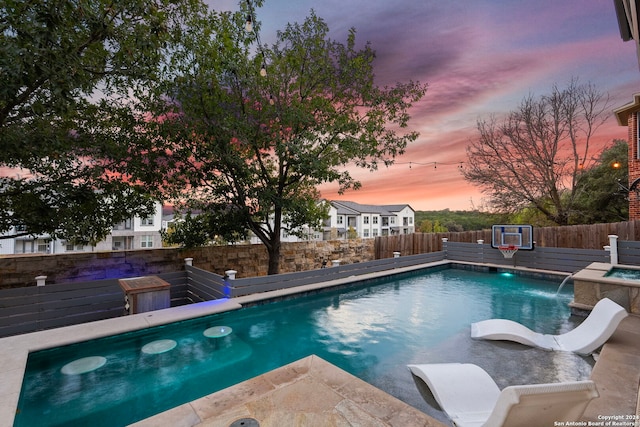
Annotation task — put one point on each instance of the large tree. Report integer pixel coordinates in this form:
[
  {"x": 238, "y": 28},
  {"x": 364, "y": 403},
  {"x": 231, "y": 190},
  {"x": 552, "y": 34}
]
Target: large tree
[
  {"x": 68, "y": 72},
  {"x": 535, "y": 156},
  {"x": 249, "y": 130},
  {"x": 602, "y": 191}
]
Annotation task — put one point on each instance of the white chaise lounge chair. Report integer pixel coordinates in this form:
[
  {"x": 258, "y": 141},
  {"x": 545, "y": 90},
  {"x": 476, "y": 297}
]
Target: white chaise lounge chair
[
  {"x": 587, "y": 337},
  {"x": 471, "y": 398}
]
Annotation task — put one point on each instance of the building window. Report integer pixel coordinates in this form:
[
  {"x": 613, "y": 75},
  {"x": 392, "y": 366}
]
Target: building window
[
  {"x": 366, "y": 219},
  {"x": 70, "y": 247},
  {"x": 365, "y": 232},
  {"x": 340, "y": 219},
  {"x": 375, "y": 232},
  {"x": 43, "y": 246},
  {"x": 120, "y": 243},
  {"x": 146, "y": 241},
  {"x": 410, "y": 220},
  {"x": 392, "y": 220},
  {"x": 20, "y": 247},
  {"x": 147, "y": 221},
  {"x": 375, "y": 219},
  {"x": 125, "y": 225}
]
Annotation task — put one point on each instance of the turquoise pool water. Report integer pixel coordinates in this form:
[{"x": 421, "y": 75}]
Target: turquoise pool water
[
  {"x": 624, "y": 273},
  {"x": 371, "y": 330}
]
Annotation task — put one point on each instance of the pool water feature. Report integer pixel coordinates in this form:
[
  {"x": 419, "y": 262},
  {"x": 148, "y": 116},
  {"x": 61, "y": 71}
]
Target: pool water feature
[{"x": 372, "y": 330}]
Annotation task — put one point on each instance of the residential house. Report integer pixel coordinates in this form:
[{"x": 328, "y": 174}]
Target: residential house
[
  {"x": 134, "y": 233},
  {"x": 628, "y": 14},
  {"x": 627, "y": 115}
]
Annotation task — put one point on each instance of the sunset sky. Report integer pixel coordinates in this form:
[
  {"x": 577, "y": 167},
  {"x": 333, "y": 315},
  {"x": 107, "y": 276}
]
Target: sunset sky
[{"x": 479, "y": 58}]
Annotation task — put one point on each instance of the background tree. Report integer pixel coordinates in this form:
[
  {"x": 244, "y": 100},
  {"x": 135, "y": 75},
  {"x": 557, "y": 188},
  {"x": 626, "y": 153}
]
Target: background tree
[
  {"x": 68, "y": 70},
  {"x": 428, "y": 226},
  {"x": 255, "y": 145},
  {"x": 601, "y": 194},
  {"x": 535, "y": 156},
  {"x": 204, "y": 228},
  {"x": 439, "y": 221}
]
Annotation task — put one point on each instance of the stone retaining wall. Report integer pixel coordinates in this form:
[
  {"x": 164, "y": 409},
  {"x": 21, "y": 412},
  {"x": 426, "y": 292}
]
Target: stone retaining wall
[{"x": 247, "y": 260}]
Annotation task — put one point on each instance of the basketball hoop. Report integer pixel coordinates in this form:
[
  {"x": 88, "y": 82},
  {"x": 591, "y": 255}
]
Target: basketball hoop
[{"x": 508, "y": 250}]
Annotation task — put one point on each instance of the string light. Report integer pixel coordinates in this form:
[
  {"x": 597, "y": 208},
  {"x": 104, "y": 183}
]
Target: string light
[
  {"x": 249, "y": 28},
  {"x": 435, "y": 164}
]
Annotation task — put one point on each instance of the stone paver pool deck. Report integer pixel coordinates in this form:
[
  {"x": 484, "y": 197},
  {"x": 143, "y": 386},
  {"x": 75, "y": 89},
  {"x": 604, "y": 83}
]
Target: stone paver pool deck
[
  {"x": 307, "y": 393},
  {"x": 311, "y": 391}
]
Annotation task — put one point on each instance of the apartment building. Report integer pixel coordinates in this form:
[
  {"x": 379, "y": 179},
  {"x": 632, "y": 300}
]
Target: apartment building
[
  {"x": 134, "y": 233},
  {"x": 350, "y": 219}
]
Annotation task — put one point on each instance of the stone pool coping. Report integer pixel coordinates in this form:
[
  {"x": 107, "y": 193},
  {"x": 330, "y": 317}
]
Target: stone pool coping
[
  {"x": 308, "y": 392},
  {"x": 14, "y": 350}
]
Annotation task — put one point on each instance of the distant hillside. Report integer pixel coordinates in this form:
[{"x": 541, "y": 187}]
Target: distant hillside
[{"x": 447, "y": 220}]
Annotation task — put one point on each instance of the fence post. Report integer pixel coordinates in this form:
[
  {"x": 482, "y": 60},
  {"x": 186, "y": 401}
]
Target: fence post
[
  {"x": 444, "y": 246},
  {"x": 188, "y": 261},
  {"x": 481, "y": 244},
  {"x": 228, "y": 275},
  {"x": 613, "y": 248},
  {"x": 40, "y": 280},
  {"x": 396, "y": 254}
]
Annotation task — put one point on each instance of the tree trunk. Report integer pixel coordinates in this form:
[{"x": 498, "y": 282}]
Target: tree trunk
[{"x": 274, "y": 257}]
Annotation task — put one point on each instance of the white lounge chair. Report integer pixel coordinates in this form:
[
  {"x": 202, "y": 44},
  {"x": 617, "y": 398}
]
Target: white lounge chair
[
  {"x": 587, "y": 337},
  {"x": 471, "y": 398}
]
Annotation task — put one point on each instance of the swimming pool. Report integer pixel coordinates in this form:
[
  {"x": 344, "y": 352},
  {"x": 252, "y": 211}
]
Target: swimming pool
[{"x": 371, "y": 330}]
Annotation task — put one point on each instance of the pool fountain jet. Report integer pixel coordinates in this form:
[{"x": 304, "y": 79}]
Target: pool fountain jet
[{"x": 566, "y": 279}]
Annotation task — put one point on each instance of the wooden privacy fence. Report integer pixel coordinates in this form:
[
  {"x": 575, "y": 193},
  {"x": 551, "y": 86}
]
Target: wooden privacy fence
[{"x": 591, "y": 236}]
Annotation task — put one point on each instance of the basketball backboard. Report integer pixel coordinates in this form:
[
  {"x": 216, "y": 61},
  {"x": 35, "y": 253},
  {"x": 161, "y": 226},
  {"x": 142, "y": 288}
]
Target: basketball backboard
[{"x": 518, "y": 235}]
